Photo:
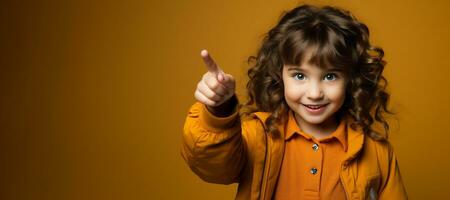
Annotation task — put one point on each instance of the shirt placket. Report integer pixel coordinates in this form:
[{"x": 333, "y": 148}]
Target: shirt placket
[{"x": 314, "y": 174}]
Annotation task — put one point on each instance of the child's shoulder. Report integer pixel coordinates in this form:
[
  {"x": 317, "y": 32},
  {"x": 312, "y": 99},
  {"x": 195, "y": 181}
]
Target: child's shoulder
[
  {"x": 255, "y": 122},
  {"x": 382, "y": 147},
  {"x": 256, "y": 115},
  {"x": 257, "y": 118}
]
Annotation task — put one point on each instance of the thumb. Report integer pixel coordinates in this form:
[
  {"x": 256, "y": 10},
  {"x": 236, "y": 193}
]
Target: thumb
[
  {"x": 228, "y": 81},
  {"x": 221, "y": 76}
]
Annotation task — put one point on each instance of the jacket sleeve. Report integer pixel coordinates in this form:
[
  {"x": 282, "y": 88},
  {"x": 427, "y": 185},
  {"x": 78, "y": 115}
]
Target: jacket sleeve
[
  {"x": 392, "y": 184},
  {"x": 213, "y": 146}
]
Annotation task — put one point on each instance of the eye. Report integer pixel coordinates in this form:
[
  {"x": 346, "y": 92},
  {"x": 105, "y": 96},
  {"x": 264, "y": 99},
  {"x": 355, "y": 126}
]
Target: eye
[
  {"x": 299, "y": 76},
  {"x": 331, "y": 77}
]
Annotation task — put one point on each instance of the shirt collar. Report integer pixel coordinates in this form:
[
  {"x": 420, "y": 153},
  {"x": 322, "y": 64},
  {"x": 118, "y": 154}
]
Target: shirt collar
[{"x": 340, "y": 133}]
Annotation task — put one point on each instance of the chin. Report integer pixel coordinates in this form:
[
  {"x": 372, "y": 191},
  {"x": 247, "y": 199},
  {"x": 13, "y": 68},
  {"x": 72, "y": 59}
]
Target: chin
[{"x": 313, "y": 120}]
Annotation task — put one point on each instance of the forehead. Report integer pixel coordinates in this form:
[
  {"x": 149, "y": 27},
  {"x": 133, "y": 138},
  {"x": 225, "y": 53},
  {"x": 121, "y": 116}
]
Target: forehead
[
  {"x": 310, "y": 55},
  {"x": 311, "y": 60},
  {"x": 308, "y": 61}
]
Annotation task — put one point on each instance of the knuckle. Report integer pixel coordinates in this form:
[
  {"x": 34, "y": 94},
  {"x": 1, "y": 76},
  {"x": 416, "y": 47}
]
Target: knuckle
[
  {"x": 203, "y": 86},
  {"x": 216, "y": 85},
  {"x": 213, "y": 85},
  {"x": 210, "y": 83},
  {"x": 212, "y": 103},
  {"x": 198, "y": 97},
  {"x": 216, "y": 97},
  {"x": 207, "y": 94}
]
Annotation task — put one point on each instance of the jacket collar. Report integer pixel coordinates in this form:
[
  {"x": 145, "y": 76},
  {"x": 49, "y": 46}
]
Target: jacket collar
[
  {"x": 292, "y": 128},
  {"x": 355, "y": 138}
]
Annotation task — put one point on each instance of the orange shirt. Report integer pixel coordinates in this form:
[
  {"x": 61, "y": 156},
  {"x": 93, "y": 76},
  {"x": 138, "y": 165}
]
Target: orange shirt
[{"x": 310, "y": 167}]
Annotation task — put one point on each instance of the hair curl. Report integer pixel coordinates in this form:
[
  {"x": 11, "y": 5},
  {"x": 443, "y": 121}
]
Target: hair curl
[{"x": 338, "y": 39}]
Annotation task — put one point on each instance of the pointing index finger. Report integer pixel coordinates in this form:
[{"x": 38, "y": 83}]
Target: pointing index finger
[{"x": 210, "y": 64}]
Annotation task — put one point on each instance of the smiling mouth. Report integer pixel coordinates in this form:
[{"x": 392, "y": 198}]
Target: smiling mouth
[{"x": 315, "y": 106}]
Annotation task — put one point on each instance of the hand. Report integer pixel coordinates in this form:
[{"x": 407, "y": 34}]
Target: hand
[{"x": 216, "y": 87}]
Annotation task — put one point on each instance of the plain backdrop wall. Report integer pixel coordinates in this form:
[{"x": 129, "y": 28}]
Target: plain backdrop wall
[{"x": 94, "y": 93}]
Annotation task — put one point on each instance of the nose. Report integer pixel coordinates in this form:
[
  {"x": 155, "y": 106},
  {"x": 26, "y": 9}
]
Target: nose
[{"x": 315, "y": 92}]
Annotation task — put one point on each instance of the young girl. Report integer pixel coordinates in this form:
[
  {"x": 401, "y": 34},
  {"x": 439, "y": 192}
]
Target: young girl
[{"x": 307, "y": 131}]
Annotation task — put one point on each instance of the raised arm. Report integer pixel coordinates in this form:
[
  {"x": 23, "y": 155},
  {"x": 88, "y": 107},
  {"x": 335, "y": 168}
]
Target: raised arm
[{"x": 212, "y": 143}]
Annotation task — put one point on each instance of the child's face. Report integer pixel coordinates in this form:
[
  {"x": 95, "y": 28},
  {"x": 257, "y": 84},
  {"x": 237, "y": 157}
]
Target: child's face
[{"x": 310, "y": 85}]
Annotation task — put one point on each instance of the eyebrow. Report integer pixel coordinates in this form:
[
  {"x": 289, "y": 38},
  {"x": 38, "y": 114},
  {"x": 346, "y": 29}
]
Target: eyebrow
[{"x": 296, "y": 68}]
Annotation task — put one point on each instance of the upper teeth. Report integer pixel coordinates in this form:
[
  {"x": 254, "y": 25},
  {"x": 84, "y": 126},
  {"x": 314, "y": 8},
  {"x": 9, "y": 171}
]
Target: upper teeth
[{"x": 311, "y": 106}]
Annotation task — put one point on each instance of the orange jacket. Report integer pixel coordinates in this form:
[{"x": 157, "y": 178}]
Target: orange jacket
[{"x": 229, "y": 150}]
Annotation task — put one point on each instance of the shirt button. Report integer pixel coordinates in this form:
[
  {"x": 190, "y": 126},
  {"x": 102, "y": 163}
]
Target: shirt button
[
  {"x": 313, "y": 170},
  {"x": 315, "y": 147}
]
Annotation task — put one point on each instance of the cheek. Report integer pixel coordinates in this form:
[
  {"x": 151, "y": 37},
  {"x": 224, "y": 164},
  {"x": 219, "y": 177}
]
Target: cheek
[
  {"x": 292, "y": 91},
  {"x": 337, "y": 93}
]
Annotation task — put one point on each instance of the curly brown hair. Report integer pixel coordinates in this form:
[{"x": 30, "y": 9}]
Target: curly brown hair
[{"x": 339, "y": 39}]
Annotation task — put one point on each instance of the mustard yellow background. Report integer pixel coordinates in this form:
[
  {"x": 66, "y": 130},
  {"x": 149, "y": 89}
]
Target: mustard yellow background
[{"x": 94, "y": 93}]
